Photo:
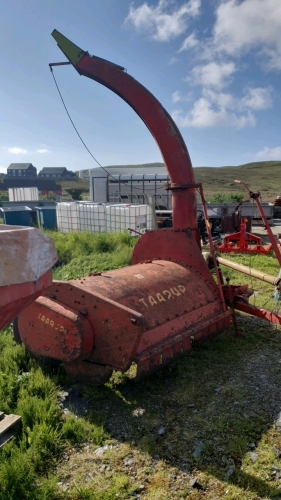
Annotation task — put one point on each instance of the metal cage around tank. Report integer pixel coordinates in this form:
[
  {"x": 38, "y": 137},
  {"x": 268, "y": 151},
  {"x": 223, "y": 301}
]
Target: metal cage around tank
[{"x": 136, "y": 185}]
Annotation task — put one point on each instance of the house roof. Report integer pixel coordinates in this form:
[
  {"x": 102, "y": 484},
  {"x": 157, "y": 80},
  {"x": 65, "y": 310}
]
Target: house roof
[
  {"x": 53, "y": 170},
  {"x": 19, "y": 166}
]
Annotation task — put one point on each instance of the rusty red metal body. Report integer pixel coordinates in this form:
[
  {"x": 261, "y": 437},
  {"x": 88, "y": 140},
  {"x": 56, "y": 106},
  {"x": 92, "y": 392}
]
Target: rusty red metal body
[
  {"x": 237, "y": 296},
  {"x": 27, "y": 257},
  {"x": 244, "y": 242},
  {"x": 14, "y": 298},
  {"x": 151, "y": 312},
  {"x": 144, "y": 313},
  {"x": 55, "y": 328}
]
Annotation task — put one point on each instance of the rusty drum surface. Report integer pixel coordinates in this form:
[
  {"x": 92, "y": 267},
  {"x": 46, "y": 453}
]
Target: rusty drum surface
[
  {"x": 147, "y": 313},
  {"x": 58, "y": 331}
]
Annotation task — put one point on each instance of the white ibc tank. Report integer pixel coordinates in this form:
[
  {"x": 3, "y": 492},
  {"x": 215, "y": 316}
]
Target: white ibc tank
[
  {"x": 91, "y": 217},
  {"x": 67, "y": 217},
  {"x": 124, "y": 217}
]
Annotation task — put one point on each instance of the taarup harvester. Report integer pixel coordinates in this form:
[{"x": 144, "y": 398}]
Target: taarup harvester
[{"x": 150, "y": 312}]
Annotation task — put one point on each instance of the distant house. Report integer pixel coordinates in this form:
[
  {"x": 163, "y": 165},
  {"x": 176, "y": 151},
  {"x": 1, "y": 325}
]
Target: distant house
[
  {"x": 56, "y": 172},
  {"x": 21, "y": 170}
]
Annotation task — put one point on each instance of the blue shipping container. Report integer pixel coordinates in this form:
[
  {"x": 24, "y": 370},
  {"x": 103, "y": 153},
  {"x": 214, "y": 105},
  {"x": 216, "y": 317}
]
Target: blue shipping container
[
  {"x": 16, "y": 216},
  {"x": 46, "y": 217}
]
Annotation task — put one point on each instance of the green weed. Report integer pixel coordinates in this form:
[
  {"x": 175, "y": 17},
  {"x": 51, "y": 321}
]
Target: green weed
[
  {"x": 116, "y": 488},
  {"x": 74, "y": 245},
  {"x": 96, "y": 263},
  {"x": 77, "y": 430},
  {"x": 26, "y": 463}
]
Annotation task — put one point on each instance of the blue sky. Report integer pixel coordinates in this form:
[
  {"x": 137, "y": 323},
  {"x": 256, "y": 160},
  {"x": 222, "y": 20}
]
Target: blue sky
[{"x": 215, "y": 65}]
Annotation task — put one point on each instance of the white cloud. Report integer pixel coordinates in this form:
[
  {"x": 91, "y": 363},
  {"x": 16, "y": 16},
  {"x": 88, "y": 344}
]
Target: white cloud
[
  {"x": 177, "y": 96},
  {"x": 189, "y": 43},
  {"x": 3, "y": 170},
  {"x": 213, "y": 74},
  {"x": 250, "y": 24},
  {"x": 257, "y": 99},
  {"x": 42, "y": 151},
  {"x": 220, "y": 99},
  {"x": 241, "y": 28},
  {"x": 17, "y": 151},
  {"x": 173, "y": 60},
  {"x": 200, "y": 116},
  {"x": 161, "y": 22},
  {"x": 204, "y": 114},
  {"x": 22, "y": 151},
  {"x": 270, "y": 153},
  {"x": 214, "y": 109}
]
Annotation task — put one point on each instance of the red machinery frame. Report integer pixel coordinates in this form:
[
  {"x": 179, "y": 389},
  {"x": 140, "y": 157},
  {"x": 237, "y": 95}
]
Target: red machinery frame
[
  {"x": 241, "y": 242},
  {"x": 148, "y": 313}
]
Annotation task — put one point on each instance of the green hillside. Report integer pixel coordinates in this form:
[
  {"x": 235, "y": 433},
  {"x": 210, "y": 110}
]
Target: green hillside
[{"x": 262, "y": 176}]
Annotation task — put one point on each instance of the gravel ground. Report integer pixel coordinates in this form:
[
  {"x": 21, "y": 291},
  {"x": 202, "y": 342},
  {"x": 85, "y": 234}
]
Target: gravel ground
[
  {"x": 199, "y": 441},
  {"x": 259, "y": 230}
]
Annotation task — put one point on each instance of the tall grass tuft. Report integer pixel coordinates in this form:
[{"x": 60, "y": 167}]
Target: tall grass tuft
[
  {"x": 81, "y": 266},
  {"x": 26, "y": 463},
  {"x": 82, "y": 253},
  {"x": 74, "y": 429},
  {"x": 74, "y": 245}
]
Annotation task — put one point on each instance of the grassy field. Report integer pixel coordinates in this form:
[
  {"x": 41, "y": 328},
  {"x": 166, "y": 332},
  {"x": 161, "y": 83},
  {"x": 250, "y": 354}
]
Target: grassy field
[{"x": 202, "y": 428}]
